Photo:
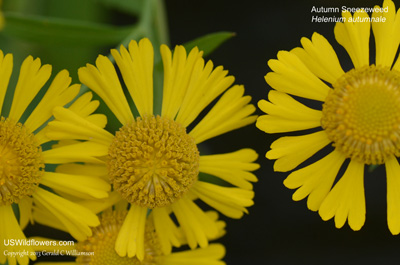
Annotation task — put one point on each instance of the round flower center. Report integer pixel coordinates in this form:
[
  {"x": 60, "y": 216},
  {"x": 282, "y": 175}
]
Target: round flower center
[
  {"x": 21, "y": 162},
  {"x": 361, "y": 115},
  {"x": 153, "y": 161},
  {"x": 102, "y": 243}
]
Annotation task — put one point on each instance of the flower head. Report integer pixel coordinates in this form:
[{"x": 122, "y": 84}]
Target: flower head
[
  {"x": 24, "y": 180},
  {"x": 359, "y": 116},
  {"x": 153, "y": 161},
  {"x": 99, "y": 249}
]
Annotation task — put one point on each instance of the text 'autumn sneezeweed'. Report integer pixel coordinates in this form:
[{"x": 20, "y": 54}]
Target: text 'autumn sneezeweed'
[
  {"x": 152, "y": 161},
  {"x": 24, "y": 179},
  {"x": 360, "y": 116}
]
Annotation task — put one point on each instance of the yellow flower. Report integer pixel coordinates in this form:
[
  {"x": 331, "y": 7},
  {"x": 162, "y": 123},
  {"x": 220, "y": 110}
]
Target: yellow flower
[
  {"x": 23, "y": 176},
  {"x": 99, "y": 248},
  {"x": 152, "y": 162},
  {"x": 359, "y": 120}
]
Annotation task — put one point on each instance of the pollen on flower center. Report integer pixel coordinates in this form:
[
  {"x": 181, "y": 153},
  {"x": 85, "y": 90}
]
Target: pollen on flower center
[
  {"x": 153, "y": 161},
  {"x": 361, "y": 115},
  {"x": 102, "y": 243},
  {"x": 21, "y": 162}
]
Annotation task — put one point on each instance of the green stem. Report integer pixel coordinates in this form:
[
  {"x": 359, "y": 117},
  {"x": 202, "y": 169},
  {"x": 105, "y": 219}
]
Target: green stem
[
  {"x": 160, "y": 36},
  {"x": 161, "y": 23}
]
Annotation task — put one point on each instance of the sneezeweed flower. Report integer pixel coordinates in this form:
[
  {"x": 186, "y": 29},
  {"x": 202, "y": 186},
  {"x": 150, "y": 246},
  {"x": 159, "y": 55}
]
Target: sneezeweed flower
[
  {"x": 99, "y": 248},
  {"x": 24, "y": 180},
  {"x": 360, "y": 116},
  {"x": 152, "y": 162}
]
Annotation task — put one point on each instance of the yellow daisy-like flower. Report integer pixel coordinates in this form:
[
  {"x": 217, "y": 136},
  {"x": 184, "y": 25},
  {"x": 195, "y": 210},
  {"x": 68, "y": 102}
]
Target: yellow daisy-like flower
[
  {"x": 99, "y": 248},
  {"x": 152, "y": 162},
  {"x": 360, "y": 116},
  {"x": 23, "y": 177}
]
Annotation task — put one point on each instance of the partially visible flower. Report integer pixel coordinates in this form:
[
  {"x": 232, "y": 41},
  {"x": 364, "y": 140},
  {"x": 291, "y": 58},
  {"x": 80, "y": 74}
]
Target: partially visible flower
[
  {"x": 24, "y": 180},
  {"x": 99, "y": 249},
  {"x": 360, "y": 116},
  {"x": 152, "y": 161}
]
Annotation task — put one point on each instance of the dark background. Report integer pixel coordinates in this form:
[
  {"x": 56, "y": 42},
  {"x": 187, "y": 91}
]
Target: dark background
[{"x": 277, "y": 230}]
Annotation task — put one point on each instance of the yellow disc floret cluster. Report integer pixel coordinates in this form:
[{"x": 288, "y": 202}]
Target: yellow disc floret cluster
[
  {"x": 102, "y": 243},
  {"x": 21, "y": 162},
  {"x": 153, "y": 161},
  {"x": 361, "y": 115}
]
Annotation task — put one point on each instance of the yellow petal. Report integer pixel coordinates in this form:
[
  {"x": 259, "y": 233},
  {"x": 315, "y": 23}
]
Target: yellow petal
[
  {"x": 80, "y": 186},
  {"x": 104, "y": 81},
  {"x": 32, "y": 78},
  {"x": 291, "y": 151},
  {"x": 59, "y": 94},
  {"x": 121, "y": 205},
  {"x": 286, "y": 114},
  {"x": 41, "y": 137},
  {"x": 177, "y": 75},
  {"x": 231, "y": 112},
  {"x": 229, "y": 201},
  {"x": 6, "y": 67},
  {"x": 232, "y": 167},
  {"x": 210, "y": 255},
  {"x": 204, "y": 86},
  {"x": 69, "y": 125},
  {"x": 346, "y": 200},
  {"x": 290, "y": 75},
  {"x": 319, "y": 56},
  {"x": 80, "y": 152},
  {"x": 393, "y": 195},
  {"x": 386, "y": 34},
  {"x": 74, "y": 217},
  {"x": 354, "y": 37},
  {"x": 221, "y": 225},
  {"x": 84, "y": 105},
  {"x": 99, "y": 205},
  {"x": 44, "y": 217},
  {"x": 167, "y": 232},
  {"x": 94, "y": 170},
  {"x": 25, "y": 211},
  {"x": 10, "y": 230},
  {"x": 136, "y": 67},
  {"x": 315, "y": 180},
  {"x": 130, "y": 240},
  {"x": 196, "y": 225}
]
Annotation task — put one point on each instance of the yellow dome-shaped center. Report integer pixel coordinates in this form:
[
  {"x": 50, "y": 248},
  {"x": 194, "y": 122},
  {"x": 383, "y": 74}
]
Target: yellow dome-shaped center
[
  {"x": 21, "y": 162},
  {"x": 153, "y": 161},
  {"x": 102, "y": 243},
  {"x": 361, "y": 115}
]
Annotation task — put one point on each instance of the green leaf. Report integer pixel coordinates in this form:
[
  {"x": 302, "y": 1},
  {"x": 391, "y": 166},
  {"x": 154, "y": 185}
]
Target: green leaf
[
  {"x": 133, "y": 7},
  {"x": 210, "y": 42},
  {"x": 49, "y": 30}
]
